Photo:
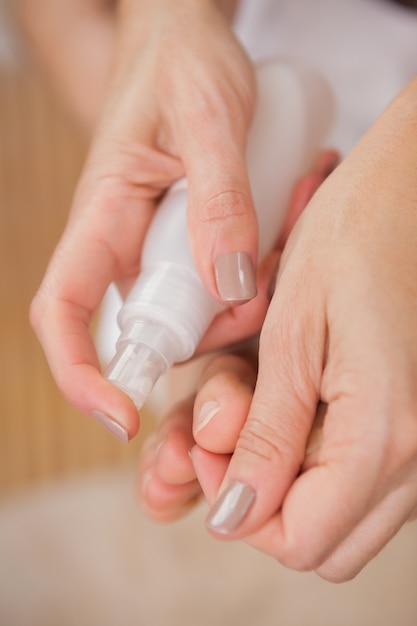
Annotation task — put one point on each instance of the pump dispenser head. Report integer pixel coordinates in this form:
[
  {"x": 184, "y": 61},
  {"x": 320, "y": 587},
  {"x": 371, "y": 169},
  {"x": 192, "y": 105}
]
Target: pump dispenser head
[{"x": 144, "y": 352}]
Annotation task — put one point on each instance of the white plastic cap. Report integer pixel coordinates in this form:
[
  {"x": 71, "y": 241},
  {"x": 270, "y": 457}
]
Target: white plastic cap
[{"x": 144, "y": 352}]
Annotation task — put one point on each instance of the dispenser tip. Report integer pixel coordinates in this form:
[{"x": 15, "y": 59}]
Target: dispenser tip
[{"x": 135, "y": 369}]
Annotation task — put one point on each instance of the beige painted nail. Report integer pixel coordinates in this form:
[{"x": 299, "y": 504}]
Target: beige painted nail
[
  {"x": 109, "y": 424},
  {"x": 230, "y": 508},
  {"x": 235, "y": 277}
]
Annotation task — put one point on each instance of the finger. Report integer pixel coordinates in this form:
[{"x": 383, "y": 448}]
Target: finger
[
  {"x": 210, "y": 469},
  {"x": 102, "y": 242},
  {"x": 167, "y": 485},
  {"x": 175, "y": 439},
  {"x": 365, "y": 541},
  {"x": 324, "y": 505},
  {"x": 63, "y": 329},
  {"x": 61, "y": 314},
  {"x": 224, "y": 233},
  {"x": 222, "y": 402},
  {"x": 272, "y": 444},
  {"x": 166, "y": 503},
  {"x": 222, "y": 222},
  {"x": 237, "y": 323}
]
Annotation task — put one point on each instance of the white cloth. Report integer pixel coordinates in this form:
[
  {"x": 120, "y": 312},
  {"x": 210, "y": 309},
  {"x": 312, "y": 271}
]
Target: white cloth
[{"x": 367, "y": 49}]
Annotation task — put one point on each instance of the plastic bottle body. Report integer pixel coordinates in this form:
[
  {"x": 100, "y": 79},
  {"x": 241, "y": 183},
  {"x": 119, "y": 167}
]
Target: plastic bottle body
[{"x": 169, "y": 309}]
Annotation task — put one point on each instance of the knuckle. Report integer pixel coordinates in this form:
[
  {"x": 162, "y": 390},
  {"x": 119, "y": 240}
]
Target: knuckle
[
  {"x": 261, "y": 440},
  {"x": 225, "y": 207}
]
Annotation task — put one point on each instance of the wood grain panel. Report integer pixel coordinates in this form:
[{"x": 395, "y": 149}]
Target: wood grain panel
[{"x": 41, "y": 154}]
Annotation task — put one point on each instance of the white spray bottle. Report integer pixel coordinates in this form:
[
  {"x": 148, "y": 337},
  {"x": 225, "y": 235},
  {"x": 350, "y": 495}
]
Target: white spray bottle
[{"x": 168, "y": 309}]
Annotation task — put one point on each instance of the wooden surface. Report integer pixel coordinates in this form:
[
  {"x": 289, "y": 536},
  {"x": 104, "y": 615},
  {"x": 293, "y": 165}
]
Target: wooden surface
[{"x": 41, "y": 154}]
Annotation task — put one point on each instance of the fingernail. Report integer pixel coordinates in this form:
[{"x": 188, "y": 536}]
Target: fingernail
[
  {"x": 207, "y": 412},
  {"x": 109, "y": 424},
  {"x": 235, "y": 277},
  {"x": 230, "y": 508}
]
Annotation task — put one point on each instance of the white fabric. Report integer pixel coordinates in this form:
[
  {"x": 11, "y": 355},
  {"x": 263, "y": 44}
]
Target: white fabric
[{"x": 367, "y": 49}]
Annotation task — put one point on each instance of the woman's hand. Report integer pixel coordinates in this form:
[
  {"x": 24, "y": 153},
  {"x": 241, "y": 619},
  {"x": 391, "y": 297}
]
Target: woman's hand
[
  {"x": 180, "y": 102},
  {"x": 340, "y": 333},
  {"x": 341, "y": 330}
]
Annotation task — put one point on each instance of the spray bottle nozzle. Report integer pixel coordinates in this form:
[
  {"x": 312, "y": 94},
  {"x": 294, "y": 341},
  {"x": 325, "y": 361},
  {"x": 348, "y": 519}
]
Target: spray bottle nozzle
[{"x": 144, "y": 352}]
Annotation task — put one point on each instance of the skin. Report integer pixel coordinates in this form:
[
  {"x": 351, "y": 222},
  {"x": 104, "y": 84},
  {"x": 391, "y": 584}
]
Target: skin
[
  {"x": 73, "y": 43},
  {"x": 343, "y": 333},
  {"x": 141, "y": 144},
  {"x": 167, "y": 485},
  {"x": 339, "y": 330}
]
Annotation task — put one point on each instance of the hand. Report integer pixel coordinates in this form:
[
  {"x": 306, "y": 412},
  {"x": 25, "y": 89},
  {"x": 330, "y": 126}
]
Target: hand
[
  {"x": 340, "y": 330},
  {"x": 181, "y": 87}
]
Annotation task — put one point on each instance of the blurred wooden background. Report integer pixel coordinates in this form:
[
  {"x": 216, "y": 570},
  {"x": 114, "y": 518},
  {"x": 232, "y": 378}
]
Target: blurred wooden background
[{"x": 41, "y": 153}]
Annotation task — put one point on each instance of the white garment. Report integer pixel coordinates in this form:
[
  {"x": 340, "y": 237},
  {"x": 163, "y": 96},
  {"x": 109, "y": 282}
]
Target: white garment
[{"x": 367, "y": 49}]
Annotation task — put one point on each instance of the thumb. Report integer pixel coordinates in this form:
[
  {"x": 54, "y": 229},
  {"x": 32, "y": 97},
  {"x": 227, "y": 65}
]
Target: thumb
[
  {"x": 222, "y": 223},
  {"x": 271, "y": 446},
  {"x": 224, "y": 235}
]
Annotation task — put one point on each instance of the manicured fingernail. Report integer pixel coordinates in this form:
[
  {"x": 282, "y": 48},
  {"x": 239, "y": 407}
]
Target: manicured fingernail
[
  {"x": 109, "y": 424},
  {"x": 231, "y": 508},
  {"x": 207, "y": 412},
  {"x": 235, "y": 277}
]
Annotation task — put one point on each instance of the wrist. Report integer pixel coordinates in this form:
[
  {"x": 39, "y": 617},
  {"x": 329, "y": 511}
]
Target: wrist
[{"x": 145, "y": 8}]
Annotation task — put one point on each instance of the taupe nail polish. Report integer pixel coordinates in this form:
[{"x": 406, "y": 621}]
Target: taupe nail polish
[
  {"x": 109, "y": 424},
  {"x": 235, "y": 277},
  {"x": 231, "y": 508}
]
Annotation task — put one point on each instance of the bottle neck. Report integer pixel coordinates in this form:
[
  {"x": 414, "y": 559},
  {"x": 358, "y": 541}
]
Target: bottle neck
[
  {"x": 144, "y": 351},
  {"x": 174, "y": 297}
]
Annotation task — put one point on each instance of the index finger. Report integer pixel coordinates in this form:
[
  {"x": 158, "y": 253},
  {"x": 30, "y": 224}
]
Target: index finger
[
  {"x": 101, "y": 243},
  {"x": 61, "y": 313}
]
